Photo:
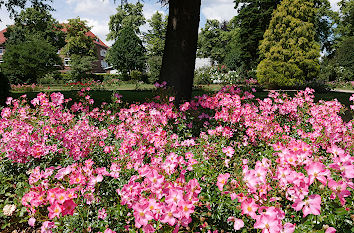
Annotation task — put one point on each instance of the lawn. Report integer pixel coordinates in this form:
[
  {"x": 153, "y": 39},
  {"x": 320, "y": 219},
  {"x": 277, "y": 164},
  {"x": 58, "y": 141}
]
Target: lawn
[{"x": 144, "y": 93}]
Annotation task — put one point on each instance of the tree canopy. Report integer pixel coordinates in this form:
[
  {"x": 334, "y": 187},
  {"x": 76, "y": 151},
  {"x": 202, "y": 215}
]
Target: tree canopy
[
  {"x": 127, "y": 52},
  {"x": 290, "y": 51},
  {"x": 26, "y": 61},
  {"x": 155, "y": 42},
  {"x": 77, "y": 42},
  {"x": 36, "y": 21},
  {"x": 32, "y": 45},
  {"x": 128, "y": 15},
  {"x": 79, "y": 47},
  {"x": 12, "y": 5},
  {"x": 213, "y": 40},
  {"x": 253, "y": 19},
  {"x": 156, "y": 34}
]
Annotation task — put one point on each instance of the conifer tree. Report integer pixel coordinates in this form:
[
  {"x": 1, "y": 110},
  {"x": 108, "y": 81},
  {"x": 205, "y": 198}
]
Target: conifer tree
[{"x": 289, "y": 50}]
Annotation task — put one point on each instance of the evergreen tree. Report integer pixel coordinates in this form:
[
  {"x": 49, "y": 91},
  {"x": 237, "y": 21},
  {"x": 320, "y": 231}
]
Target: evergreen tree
[
  {"x": 128, "y": 52},
  {"x": 289, "y": 50},
  {"x": 253, "y": 19}
]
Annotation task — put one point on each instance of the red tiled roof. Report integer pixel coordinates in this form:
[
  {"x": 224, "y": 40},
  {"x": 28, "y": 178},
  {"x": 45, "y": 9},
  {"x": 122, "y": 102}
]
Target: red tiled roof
[
  {"x": 2, "y": 37},
  {"x": 96, "y": 40}
]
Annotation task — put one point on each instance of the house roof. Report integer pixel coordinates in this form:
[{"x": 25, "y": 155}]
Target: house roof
[
  {"x": 2, "y": 37},
  {"x": 96, "y": 40}
]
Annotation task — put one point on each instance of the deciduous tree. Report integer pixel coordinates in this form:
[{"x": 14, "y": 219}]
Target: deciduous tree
[
  {"x": 213, "y": 39},
  {"x": 128, "y": 15},
  {"x": 13, "y": 5},
  {"x": 253, "y": 19},
  {"x": 29, "y": 60},
  {"x": 155, "y": 42},
  {"x": 79, "y": 47},
  {"x": 36, "y": 21}
]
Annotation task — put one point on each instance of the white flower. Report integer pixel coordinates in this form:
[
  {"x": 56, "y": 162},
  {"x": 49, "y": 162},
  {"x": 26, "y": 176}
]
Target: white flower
[{"x": 9, "y": 209}]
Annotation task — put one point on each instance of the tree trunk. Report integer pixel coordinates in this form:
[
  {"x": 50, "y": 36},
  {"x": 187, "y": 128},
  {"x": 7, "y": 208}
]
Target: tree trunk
[{"x": 178, "y": 60}]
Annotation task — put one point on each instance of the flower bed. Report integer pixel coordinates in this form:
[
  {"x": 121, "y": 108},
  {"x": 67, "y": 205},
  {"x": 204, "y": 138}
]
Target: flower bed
[{"x": 219, "y": 163}]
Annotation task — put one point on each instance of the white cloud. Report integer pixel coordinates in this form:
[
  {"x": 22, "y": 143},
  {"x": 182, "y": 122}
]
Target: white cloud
[
  {"x": 334, "y": 5},
  {"x": 99, "y": 28},
  {"x": 218, "y": 9},
  {"x": 5, "y": 19},
  {"x": 224, "y": 9},
  {"x": 150, "y": 9},
  {"x": 93, "y": 7}
]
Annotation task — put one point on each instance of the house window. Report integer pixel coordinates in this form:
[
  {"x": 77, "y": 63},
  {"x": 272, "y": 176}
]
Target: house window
[
  {"x": 67, "y": 61},
  {"x": 1, "y": 50},
  {"x": 103, "y": 52},
  {"x": 1, "y": 60},
  {"x": 104, "y": 64}
]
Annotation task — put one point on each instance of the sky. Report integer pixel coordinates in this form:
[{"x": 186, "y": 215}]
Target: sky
[{"x": 97, "y": 12}]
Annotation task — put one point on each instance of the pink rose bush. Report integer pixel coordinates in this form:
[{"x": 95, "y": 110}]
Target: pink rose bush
[{"x": 221, "y": 163}]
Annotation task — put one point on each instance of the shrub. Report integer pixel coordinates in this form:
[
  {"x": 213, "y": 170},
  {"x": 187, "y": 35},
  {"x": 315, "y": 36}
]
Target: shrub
[
  {"x": 202, "y": 76},
  {"x": 47, "y": 79},
  {"x": 154, "y": 67},
  {"x": 289, "y": 50},
  {"x": 136, "y": 75}
]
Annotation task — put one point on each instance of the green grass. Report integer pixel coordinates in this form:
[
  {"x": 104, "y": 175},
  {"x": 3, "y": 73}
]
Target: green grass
[{"x": 131, "y": 95}]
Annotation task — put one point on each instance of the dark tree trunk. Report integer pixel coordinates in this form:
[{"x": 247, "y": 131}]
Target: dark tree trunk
[{"x": 178, "y": 60}]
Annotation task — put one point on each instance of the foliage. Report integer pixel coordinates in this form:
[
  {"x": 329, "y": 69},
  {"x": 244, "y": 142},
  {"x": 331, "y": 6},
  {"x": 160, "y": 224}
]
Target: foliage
[
  {"x": 202, "y": 76},
  {"x": 339, "y": 67},
  {"x": 127, "y": 53},
  {"x": 233, "y": 57},
  {"x": 324, "y": 23},
  {"x": 47, "y": 79},
  {"x": 212, "y": 40},
  {"x": 26, "y": 61},
  {"x": 35, "y": 21},
  {"x": 345, "y": 22},
  {"x": 12, "y": 5},
  {"x": 218, "y": 163},
  {"x": 289, "y": 48},
  {"x": 156, "y": 34},
  {"x": 155, "y": 43},
  {"x": 253, "y": 19},
  {"x": 136, "y": 75},
  {"x": 80, "y": 66},
  {"x": 77, "y": 42},
  {"x": 154, "y": 66},
  {"x": 32, "y": 44},
  {"x": 128, "y": 15}
]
